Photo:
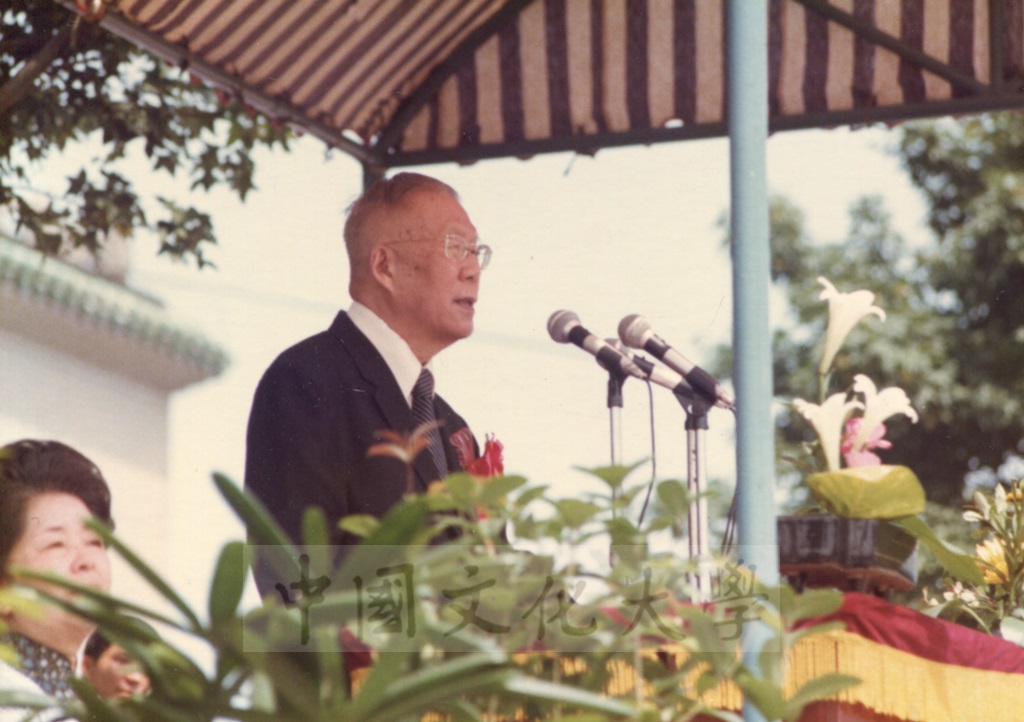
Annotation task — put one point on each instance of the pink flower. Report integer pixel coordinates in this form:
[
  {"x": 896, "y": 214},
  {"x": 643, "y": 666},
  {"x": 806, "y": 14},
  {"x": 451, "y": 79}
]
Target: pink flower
[{"x": 859, "y": 454}]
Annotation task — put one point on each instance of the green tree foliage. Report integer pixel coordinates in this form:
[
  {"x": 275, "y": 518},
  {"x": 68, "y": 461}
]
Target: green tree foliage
[
  {"x": 954, "y": 336},
  {"x": 972, "y": 174},
  {"x": 62, "y": 80}
]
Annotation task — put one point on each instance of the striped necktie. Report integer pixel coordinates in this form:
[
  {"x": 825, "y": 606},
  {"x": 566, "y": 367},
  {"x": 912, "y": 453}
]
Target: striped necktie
[{"x": 423, "y": 413}]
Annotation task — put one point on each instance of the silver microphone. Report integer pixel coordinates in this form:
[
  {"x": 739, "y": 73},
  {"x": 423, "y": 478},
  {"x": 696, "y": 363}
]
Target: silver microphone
[
  {"x": 565, "y": 327},
  {"x": 656, "y": 374},
  {"x": 636, "y": 332}
]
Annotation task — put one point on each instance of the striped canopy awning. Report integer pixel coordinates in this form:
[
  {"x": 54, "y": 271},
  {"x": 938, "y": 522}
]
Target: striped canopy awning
[{"x": 407, "y": 82}]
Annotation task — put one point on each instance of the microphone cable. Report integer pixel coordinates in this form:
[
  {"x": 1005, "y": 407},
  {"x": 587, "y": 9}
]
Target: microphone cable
[{"x": 654, "y": 455}]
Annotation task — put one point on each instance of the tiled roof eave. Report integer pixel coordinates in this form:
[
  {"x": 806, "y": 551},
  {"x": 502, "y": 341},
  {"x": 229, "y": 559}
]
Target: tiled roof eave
[{"x": 106, "y": 304}]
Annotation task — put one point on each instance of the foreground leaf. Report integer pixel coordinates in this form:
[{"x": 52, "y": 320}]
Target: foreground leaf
[
  {"x": 962, "y": 566},
  {"x": 869, "y": 492}
]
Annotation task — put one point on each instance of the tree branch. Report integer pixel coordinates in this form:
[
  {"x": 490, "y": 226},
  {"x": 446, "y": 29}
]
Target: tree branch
[{"x": 19, "y": 86}]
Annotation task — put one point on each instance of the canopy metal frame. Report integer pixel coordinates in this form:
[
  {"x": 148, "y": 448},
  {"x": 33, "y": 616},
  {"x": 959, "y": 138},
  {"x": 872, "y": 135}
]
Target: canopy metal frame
[{"x": 383, "y": 148}]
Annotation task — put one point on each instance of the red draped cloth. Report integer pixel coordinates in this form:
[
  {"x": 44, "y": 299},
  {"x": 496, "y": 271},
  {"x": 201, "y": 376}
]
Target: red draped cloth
[{"x": 934, "y": 639}]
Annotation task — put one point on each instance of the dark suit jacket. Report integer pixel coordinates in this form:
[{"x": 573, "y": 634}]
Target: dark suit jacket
[{"x": 316, "y": 412}]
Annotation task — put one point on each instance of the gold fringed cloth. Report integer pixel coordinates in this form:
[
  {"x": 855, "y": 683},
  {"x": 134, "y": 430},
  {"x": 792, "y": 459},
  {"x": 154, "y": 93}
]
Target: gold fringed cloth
[
  {"x": 896, "y": 684},
  {"x": 913, "y": 667}
]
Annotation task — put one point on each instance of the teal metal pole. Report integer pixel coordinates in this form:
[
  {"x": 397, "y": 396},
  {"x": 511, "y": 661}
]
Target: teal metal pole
[{"x": 747, "y": 53}]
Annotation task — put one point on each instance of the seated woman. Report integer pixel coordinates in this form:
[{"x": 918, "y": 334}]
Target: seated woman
[{"x": 47, "y": 491}]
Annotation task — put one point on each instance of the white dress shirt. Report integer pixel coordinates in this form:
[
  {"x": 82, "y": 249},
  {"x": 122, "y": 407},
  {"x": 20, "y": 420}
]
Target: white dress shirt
[{"x": 404, "y": 365}]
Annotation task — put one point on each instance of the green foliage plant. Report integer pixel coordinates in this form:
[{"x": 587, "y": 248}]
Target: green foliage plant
[{"x": 563, "y": 651}]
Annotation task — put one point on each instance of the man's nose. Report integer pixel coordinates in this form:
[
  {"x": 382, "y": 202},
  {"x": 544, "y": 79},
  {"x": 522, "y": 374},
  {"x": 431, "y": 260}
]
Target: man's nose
[
  {"x": 138, "y": 681},
  {"x": 469, "y": 269}
]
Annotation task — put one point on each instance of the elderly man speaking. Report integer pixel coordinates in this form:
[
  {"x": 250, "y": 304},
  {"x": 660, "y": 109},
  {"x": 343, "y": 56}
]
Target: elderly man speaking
[{"x": 415, "y": 275}]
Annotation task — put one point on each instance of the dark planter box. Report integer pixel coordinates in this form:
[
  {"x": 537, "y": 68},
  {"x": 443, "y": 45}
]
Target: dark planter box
[{"x": 867, "y": 555}]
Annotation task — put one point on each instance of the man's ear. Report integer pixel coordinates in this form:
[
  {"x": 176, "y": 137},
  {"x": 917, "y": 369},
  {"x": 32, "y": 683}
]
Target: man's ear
[
  {"x": 88, "y": 665},
  {"x": 382, "y": 267}
]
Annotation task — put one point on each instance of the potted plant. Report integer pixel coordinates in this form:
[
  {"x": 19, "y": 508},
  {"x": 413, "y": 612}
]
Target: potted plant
[{"x": 863, "y": 532}]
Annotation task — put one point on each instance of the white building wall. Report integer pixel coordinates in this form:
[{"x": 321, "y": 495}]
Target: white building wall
[
  {"x": 121, "y": 425},
  {"x": 89, "y": 362}
]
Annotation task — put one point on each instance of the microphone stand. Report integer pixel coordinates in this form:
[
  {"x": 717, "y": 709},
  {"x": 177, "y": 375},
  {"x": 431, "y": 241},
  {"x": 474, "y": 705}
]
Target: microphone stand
[
  {"x": 615, "y": 381},
  {"x": 696, "y": 408}
]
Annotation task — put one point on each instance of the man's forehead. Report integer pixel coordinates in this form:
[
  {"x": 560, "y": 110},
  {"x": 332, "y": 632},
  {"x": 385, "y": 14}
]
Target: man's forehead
[{"x": 429, "y": 211}]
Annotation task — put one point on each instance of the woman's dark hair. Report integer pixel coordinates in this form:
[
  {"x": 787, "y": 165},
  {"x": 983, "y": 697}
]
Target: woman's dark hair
[{"x": 29, "y": 468}]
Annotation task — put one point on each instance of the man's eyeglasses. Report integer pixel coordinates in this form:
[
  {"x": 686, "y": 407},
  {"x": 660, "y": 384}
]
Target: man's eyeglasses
[{"x": 457, "y": 248}]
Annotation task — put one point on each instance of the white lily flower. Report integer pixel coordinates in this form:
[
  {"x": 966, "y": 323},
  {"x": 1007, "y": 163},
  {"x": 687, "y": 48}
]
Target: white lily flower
[
  {"x": 845, "y": 310},
  {"x": 828, "y": 420},
  {"x": 879, "y": 406}
]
